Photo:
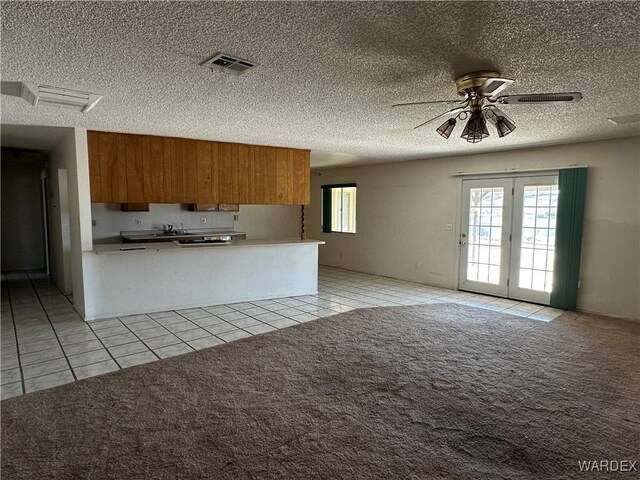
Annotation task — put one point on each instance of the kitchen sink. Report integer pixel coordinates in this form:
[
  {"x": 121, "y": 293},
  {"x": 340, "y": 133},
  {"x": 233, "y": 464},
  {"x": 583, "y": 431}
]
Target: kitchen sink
[
  {"x": 174, "y": 234},
  {"x": 201, "y": 241}
]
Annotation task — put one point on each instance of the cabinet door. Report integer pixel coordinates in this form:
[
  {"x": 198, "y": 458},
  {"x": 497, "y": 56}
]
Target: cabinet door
[
  {"x": 177, "y": 170},
  {"x": 245, "y": 159},
  {"x": 167, "y": 174},
  {"x": 119, "y": 175},
  {"x": 135, "y": 169},
  {"x": 301, "y": 180},
  {"x": 207, "y": 175},
  {"x": 215, "y": 172},
  {"x": 203, "y": 152},
  {"x": 108, "y": 165},
  {"x": 229, "y": 172},
  {"x": 271, "y": 176},
  {"x": 262, "y": 189},
  {"x": 257, "y": 173},
  {"x": 190, "y": 179},
  {"x": 184, "y": 171},
  {"x": 93, "y": 144},
  {"x": 284, "y": 176},
  {"x": 153, "y": 167},
  {"x": 113, "y": 167}
]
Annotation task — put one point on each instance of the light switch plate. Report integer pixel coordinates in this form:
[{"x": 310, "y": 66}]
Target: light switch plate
[{"x": 203, "y": 219}]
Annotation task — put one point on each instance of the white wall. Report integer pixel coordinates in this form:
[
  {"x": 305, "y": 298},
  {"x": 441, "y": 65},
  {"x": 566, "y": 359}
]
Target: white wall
[
  {"x": 71, "y": 152},
  {"x": 110, "y": 220},
  {"x": 68, "y": 180},
  {"x": 402, "y": 210}
]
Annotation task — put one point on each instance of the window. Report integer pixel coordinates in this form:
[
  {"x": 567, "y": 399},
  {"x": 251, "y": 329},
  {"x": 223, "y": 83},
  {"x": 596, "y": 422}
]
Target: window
[{"x": 339, "y": 208}]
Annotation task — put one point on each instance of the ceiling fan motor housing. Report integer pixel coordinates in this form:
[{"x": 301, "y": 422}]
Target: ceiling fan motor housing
[{"x": 472, "y": 81}]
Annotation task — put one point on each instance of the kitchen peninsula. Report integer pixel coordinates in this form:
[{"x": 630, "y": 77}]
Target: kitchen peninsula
[
  {"x": 148, "y": 271},
  {"x": 165, "y": 276}
]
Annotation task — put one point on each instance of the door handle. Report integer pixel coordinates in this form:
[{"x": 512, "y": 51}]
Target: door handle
[{"x": 463, "y": 240}]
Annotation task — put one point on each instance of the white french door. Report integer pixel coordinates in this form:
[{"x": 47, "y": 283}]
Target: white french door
[
  {"x": 507, "y": 236},
  {"x": 484, "y": 237}
]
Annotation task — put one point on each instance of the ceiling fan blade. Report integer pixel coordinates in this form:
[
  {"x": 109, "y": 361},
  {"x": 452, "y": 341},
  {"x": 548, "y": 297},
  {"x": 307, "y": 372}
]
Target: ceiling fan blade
[
  {"x": 450, "y": 113},
  {"x": 492, "y": 86},
  {"x": 559, "y": 98},
  {"x": 425, "y": 103}
]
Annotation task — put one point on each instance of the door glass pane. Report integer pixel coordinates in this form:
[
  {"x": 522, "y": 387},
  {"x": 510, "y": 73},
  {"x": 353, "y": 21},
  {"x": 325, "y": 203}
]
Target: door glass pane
[
  {"x": 538, "y": 237},
  {"x": 485, "y": 234}
]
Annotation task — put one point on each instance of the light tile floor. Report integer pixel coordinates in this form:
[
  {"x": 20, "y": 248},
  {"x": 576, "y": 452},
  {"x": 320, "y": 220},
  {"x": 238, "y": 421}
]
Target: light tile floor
[{"x": 45, "y": 343}]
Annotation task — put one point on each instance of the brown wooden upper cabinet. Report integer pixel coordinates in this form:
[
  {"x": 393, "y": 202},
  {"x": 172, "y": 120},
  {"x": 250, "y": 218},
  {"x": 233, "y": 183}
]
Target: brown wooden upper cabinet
[{"x": 127, "y": 168}]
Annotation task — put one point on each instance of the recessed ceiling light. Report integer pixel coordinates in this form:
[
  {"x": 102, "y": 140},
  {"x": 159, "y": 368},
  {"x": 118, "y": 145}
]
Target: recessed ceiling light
[
  {"x": 625, "y": 119},
  {"x": 229, "y": 63},
  {"x": 49, "y": 96}
]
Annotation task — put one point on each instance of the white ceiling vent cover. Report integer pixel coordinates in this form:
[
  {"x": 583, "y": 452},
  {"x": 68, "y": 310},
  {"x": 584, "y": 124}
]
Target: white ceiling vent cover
[
  {"x": 57, "y": 97},
  {"x": 623, "y": 120},
  {"x": 229, "y": 63}
]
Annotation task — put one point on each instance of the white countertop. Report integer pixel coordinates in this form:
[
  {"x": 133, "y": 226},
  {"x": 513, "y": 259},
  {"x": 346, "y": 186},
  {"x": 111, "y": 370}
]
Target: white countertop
[{"x": 129, "y": 248}]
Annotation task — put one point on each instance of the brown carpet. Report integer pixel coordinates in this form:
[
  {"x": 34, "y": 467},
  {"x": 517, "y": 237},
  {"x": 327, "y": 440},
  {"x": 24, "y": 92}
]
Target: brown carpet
[{"x": 436, "y": 391}]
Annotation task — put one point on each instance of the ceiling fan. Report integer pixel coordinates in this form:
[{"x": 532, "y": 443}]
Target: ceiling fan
[{"x": 480, "y": 97}]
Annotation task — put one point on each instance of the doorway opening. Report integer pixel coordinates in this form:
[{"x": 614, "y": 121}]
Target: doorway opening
[{"x": 24, "y": 213}]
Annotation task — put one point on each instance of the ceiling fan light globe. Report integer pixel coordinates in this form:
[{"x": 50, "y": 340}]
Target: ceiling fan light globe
[
  {"x": 446, "y": 128},
  {"x": 504, "y": 127},
  {"x": 476, "y": 128}
]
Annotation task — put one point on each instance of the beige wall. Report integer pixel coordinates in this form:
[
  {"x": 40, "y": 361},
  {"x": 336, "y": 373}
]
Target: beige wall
[
  {"x": 269, "y": 222},
  {"x": 402, "y": 210}
]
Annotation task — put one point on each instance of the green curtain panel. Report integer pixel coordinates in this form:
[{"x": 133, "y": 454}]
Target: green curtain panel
[
  {"x": 326, "y": 208},
  {"x": 572, "y": 185}
]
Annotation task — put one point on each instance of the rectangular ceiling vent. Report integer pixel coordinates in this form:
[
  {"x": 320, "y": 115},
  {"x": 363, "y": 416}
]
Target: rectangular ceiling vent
[
  {"x": 625, "y": 119},
  {"x": 229, "y": 64},
  {"x": 57, "y": 97}
]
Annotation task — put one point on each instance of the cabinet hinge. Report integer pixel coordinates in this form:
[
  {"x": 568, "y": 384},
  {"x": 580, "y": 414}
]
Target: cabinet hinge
[
  {"x": 507, "y": 282},
  {"x": 513, "y": 190},
  {"x": 510, "y": 236}
]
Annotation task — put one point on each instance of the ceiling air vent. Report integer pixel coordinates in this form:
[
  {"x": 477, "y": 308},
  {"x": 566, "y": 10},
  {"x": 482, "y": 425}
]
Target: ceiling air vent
[
  {"x": 52, "y": 96},
  {"x": 229, "y": 63},
  {"x": 625, "y": 119}
]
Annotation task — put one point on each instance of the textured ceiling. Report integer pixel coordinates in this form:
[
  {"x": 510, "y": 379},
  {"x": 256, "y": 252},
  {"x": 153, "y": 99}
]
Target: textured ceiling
[{"x": 328, "y": 71}]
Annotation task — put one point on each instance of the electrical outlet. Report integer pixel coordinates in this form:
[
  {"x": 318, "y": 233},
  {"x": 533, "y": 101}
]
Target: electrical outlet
[
  {"x": 236, "y": 217},
  {"x": 138, "y": 221},
  {"x": 203, "y": 219},
  {"x": 448, "y": 226}
]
